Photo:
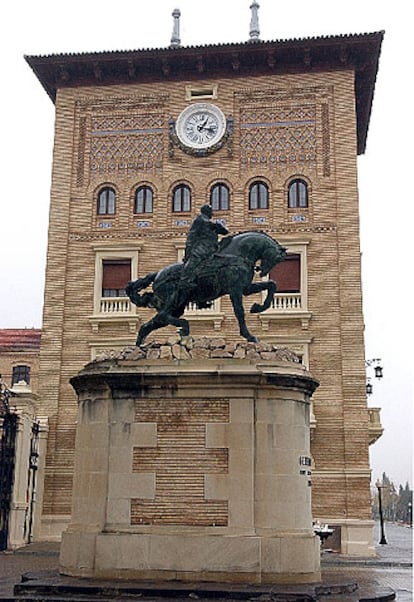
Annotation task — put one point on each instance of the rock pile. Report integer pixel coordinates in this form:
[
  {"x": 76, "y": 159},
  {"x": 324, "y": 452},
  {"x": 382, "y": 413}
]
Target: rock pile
[{"x": 189, "y": 348}]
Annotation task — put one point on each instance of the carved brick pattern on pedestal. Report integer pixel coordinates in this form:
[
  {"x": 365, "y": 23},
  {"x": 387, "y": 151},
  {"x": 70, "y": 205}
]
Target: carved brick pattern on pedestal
[{"x": 180, "y": 462}]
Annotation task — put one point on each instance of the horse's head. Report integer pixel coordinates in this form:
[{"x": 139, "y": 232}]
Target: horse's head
[{"x": 274, "y": 254}]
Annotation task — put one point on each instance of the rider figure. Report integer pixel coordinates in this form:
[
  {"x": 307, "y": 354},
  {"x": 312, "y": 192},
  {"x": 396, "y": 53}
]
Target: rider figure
[{"x": 202, "y": 243}]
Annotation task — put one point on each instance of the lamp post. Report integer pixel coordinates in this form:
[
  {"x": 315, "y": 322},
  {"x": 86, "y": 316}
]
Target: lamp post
[
  {"x": 33, "y": 466},
  {"x": 410, "y": 514},
  {"x": 382, "y": 540}
]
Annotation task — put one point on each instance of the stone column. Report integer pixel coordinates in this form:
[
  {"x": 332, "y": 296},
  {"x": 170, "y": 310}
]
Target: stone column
[{"x": 21, "y": 517}]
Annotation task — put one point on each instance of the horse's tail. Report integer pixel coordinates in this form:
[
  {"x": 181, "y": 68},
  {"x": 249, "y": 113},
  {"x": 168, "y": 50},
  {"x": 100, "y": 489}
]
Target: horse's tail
[{"x": 133, "y": 288}]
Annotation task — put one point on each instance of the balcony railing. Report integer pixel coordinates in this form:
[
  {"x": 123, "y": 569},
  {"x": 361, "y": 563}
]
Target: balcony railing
[
  {"x": 193, "y": 309},
  {"x": 115, "y": 305},
  {"x": 122, "y": 305},
  {"x": 280, "y": 302},
  {"x": 286, "y": 302},
  {"x": 286, "y": 306}
]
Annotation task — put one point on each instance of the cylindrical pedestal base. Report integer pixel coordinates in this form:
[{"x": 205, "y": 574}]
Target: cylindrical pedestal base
[{"x": 193, "y": 471}]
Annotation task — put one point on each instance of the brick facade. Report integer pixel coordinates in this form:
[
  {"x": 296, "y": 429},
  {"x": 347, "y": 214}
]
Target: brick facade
[{"x": 294, "y": 124}]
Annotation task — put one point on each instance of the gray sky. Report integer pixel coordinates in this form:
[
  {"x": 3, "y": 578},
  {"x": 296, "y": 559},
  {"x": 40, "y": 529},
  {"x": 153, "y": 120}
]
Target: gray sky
[{"x": 386, "y": 203}]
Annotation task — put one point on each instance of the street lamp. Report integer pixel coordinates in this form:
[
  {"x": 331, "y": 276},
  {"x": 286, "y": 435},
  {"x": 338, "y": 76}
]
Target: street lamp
[
  {"x": 378, "y": 371},
  {"x": 374, "y": 363},
  {"x": 410, "y": 514},
  {"x": 382, "y": 540}
]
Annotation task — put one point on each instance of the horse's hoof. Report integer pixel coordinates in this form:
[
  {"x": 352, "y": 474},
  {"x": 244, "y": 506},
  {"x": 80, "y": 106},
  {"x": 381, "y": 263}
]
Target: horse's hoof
[
  {"x": 255, "y": 308},
  {"x": 252, "y": 339}
]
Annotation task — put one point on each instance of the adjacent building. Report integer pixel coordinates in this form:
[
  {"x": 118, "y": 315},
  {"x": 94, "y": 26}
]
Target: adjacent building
[{"x": 19, "y": 356}]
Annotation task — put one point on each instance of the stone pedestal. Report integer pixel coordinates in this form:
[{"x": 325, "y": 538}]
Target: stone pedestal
[{"x": 194, "y": 469}]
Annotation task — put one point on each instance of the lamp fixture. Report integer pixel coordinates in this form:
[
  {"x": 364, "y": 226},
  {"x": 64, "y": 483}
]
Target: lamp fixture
[{"x": 374, "y": 363}]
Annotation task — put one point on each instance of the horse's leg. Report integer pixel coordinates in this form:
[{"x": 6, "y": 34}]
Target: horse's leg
[
  {"x": 163, "y": 318},
  {"x": 158, "y": 321},
  {"x": 257, "y": 287},
  {"x": 237, "y": 302},
  {"x": 181, "y": 323}
]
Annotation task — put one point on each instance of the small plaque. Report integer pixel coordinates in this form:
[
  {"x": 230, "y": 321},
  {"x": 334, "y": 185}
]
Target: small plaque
[
  {"x": 298, "y": 218},
  {"x": 181, "y": 223},
  {"x": 259, "y": 220},
  {"x": 143, "y": 224},
  {"x": 105, "y": 225}
]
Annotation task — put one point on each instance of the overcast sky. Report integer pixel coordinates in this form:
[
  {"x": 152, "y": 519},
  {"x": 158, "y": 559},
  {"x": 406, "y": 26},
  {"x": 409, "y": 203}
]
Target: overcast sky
[{"x": 386, "y": 198}]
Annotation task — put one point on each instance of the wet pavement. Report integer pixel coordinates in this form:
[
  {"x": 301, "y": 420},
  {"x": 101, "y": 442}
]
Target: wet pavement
[{"x": 391, "y": 568}]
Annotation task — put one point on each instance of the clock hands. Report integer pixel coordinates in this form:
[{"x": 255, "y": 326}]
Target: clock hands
[
  {"x": 203, "y": 125},
  {"x": 212, "y": 128}
]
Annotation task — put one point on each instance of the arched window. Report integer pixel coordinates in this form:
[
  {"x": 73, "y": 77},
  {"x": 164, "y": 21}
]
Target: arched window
[
  {"x": 297, "y": 194},
  {"x": 220, "y": 197},
  {"x": 181, "y": 199},
  {"x": 258, "y": 196},
  {"x": 106, "y": 201},
  {"x": 143, "y": 200}
]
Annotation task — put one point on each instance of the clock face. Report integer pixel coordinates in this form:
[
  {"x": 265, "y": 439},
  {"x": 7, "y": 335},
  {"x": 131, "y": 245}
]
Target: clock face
[{"x": 200, "y": 126}]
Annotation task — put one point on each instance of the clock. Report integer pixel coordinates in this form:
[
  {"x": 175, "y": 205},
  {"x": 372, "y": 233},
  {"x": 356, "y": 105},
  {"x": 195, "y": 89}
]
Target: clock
[{"x": 200, "y": 126}]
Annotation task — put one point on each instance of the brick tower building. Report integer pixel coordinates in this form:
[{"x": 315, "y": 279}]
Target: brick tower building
[{"x": 268, "y": 133}]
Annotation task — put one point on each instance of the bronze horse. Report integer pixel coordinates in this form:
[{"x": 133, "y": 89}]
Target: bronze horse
[{"x": 229, "y": 271}]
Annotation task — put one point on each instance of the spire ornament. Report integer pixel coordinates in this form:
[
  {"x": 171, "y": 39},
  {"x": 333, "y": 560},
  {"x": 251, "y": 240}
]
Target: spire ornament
[
  {"x": 254, "y": 22},
  {"x": 175, "y": 38}
]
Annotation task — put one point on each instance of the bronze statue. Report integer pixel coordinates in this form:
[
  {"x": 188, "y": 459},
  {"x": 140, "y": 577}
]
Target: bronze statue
[
  {"x": 201, "y": 244},
  {"x": 209, "y": 270},
  {"x": 202, "y": 238}
]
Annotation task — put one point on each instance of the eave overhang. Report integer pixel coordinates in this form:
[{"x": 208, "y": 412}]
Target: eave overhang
[{"x": 358, "y": 52}]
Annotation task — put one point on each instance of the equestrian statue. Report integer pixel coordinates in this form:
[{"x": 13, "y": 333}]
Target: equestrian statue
[{"x": 209, "y": 270}]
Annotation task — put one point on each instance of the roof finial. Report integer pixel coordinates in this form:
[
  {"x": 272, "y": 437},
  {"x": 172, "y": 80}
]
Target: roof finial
[
  {"x": 254, "y": 22},
  {"x": 175, "y": 38}
]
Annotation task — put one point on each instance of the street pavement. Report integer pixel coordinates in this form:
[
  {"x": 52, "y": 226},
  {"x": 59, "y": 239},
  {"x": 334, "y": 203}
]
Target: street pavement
[{"x": 391, "y": 568}]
